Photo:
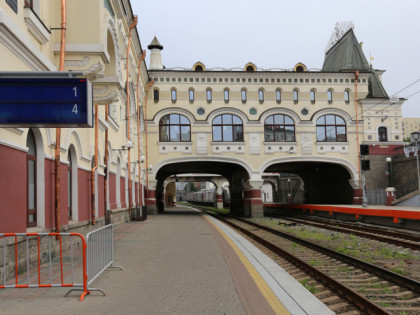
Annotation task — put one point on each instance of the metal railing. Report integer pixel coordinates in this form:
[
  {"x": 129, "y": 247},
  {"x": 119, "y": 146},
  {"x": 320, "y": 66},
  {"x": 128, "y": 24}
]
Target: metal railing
[
  {"x": 100, "y": 252},
  {"x": 43, "y": 260},
  {"x": 376, "y": 197},
  {"x": 58, "y": 268}
]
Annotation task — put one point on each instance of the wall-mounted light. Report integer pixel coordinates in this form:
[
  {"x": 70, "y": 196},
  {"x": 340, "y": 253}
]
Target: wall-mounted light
[{"x": 128, "y": 145}]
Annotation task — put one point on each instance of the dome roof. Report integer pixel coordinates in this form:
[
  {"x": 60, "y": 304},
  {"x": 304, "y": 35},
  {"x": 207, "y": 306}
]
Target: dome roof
[{"x": 155, "y": 44}]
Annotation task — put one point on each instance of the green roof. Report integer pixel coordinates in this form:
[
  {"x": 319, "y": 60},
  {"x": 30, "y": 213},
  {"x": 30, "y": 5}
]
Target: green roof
[
  {"x": 346, "y": 55},
  {"x": 376, "y": 89}
]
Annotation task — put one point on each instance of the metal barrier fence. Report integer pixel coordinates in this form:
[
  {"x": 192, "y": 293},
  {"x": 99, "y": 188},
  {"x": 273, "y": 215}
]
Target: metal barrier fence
[
  {"x": 100, "y": 252},
  {"x": 376, "y": 197},
  {"x": 62, "y": 263},
  {"x": 41, "y": 262}
]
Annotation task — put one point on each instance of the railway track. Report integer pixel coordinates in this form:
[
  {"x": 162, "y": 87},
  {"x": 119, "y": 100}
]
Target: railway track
[
  {"x": 391, "y": 237},
  {"x": 345, "y": 284}
]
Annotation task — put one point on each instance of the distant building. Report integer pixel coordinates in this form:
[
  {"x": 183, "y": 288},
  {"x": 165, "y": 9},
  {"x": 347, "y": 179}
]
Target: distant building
[{"x": 410, "y": 125}]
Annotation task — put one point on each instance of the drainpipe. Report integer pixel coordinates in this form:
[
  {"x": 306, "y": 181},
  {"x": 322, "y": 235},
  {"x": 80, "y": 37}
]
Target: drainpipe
[
  {"x": 138, "y": 125},
  {"x": 58, "y": 130},
  {"x": 95, "y": 167},
  {"x": 145, "y": 130},
  {"x": 133, "y": 24},
  {"x": 356, "y": 77},
  {"x": 106, "y": 161}
]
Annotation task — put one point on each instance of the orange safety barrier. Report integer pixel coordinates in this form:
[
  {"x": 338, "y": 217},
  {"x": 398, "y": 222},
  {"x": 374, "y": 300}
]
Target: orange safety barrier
[
  {"x": 395, "y": 214},
  {"x": 83, "y": 286}
]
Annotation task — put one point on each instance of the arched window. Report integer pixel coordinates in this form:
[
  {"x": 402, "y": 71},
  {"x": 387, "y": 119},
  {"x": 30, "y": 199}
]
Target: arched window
[
  {"x": 31, "y": 179},
  {"x": 243, "y": 95},
  {"x": 278, "y": 96},
  {"x": 295, "y": 96},
  {"x": 279, "y": 128},
  {"x": 261, "y": 95},
  {"x": 174, "y": 128},
  {"x": 331, "y": 128},
  {"x": 313, "y": 99},
  {"x": 227, "y": 128},
  {"x": 173, "y": 95},
  {"x": 383, "y": 134},
  {"x": 191, "y": 95},
  {"x": 226, "y": 95},
  {"x": 347, "y": 96},
  {"x": 156, "y": 95},
  {"x": 330, "y": 96},
  {"x": 69, "y": 184},
  {"x": 209, "y": 95}
]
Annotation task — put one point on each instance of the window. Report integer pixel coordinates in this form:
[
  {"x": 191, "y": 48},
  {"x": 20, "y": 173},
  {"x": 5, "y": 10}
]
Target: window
[
  {"x": 156, "y": 95},
  {"x": 347, "y": 96},
  {"x": 243, "y": 96},
  {"x": 69, "y": 183},
  {"x": 295, "y": 96},
  {"x": 227, "y": 128},
  {"x": 329, "y": 96},
  {"x": 226, "y": 95},
  {"x": 13, "y": 4},
  {"x": 31, "y": 179},
  {"x": 279, "y": 128},
  {"x": 261, "y": 95},
  {"x": 278, "y": 96},
  {"x": 191, "y": 95},
  {"x": 173, "y": 95},
  {"x": 209, "y": 95},
  {"x": 174, "y": 128},
  {"x": 313, "y": 96},
  {"x": 382, "y": 134},
  {"x": 331, "y": 128}
]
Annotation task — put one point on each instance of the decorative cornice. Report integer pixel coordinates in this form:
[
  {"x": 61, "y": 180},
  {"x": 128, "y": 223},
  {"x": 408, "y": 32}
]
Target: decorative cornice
[
  {"x": 94, "y": 72},
  {"x": 35, "y": 27},
  {"x": 106, "y": 99}
]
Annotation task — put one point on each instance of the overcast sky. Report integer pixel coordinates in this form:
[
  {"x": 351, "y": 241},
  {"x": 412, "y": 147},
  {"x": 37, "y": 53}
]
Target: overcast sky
[{"x": 279, "y": 34}]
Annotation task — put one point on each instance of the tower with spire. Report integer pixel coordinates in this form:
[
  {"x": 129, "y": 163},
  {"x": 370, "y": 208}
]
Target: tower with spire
[{"x": 155, "y": 55}]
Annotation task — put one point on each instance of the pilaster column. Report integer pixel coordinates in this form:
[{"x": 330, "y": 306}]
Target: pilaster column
[
  {"x": 219, "y": 198},
  {"x": 253, "y": 206},
  {"x": 151, "y": 197},
  {"x": 357, "y": 191}
]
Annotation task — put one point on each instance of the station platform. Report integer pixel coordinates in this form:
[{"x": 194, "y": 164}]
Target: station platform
[
  {"x": 376, "y": 214},
  {"x": 179, "y": 262}
]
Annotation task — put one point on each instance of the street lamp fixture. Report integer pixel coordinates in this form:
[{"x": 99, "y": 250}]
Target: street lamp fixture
[
  {"x": 388, "y": 161},
  {"x": 128, "y": 145}
]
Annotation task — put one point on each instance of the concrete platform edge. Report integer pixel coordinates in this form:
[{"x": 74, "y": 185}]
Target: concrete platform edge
[{"x": 299, "y": 300}]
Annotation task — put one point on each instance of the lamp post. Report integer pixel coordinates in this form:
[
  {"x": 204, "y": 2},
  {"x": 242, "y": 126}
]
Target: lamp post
[
  {"x": 390, "y": 191},
  {"x": 416, "y": 137},
  {"x": 388, "y": 161}
]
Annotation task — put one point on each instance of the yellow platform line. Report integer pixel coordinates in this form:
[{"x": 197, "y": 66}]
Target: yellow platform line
[{"x": 266, "y": 291}]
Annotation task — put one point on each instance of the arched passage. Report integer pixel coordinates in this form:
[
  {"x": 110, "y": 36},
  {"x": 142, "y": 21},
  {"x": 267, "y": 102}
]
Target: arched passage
[
  {"x": 325, "y": 183},
  {"x": 235, "y": 174}
]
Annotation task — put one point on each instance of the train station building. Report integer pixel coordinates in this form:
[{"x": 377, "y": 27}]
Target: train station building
[{"x": 153, "y": 122}]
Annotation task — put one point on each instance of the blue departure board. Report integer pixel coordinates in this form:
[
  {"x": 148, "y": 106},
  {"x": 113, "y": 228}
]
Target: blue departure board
[{"x": 45, "y": 102}]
